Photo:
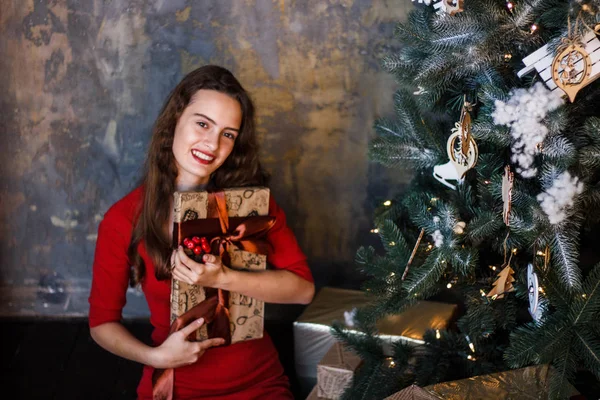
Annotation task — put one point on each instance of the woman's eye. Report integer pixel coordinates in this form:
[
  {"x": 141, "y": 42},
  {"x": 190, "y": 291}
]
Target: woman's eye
[
  {"x": 229, "y": 135},
  {"x": 202, "y": 124}
]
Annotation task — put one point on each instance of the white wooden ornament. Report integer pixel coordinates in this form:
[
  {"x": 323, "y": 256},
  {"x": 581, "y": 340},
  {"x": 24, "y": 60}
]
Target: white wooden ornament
[
  {"x": 444, "y": 6},
  {"x": 459, "y": 164},
  {"x": 533, "y": 287},
  {"x": 449, "y": 6},
  {"x": 587, "y": 67}
]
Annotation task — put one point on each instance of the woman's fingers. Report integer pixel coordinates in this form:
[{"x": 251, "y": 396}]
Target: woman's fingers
[
  {"x": 191, "y": 327},
  {"x": 173, "y": 254},
  {"x": 181, "y": 277},
  {"x": 208, "y": 343}
]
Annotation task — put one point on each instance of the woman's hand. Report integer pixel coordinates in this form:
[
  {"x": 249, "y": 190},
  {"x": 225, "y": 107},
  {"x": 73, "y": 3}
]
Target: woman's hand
[
  {"x": 210, "y": 274},
  {"x": 177, "y": 351}
]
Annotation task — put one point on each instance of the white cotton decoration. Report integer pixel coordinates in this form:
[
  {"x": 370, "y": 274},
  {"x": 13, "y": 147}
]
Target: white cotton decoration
[
  {"x": 438, "y": 238},
  {"x": 560, "y": 196},
  {"x": 349, "y": 317},
  {"x": 524, "y": 113}
]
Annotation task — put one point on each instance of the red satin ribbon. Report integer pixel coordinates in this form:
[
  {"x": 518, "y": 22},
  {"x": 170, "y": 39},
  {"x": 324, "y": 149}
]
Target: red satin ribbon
[{"x": 215, "y": 308}]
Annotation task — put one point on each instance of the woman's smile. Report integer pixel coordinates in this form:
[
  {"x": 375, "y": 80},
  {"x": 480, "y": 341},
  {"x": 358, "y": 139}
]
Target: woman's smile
[{"x": 202, "y": 157}]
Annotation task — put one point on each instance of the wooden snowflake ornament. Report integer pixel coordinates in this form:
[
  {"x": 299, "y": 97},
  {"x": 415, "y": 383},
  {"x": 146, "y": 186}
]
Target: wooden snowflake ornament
[
  {"x": 507, "y": 185},
  {"x": 575, "y": 65}
]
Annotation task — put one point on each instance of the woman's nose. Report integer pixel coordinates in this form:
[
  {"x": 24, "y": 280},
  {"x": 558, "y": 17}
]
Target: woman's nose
[{"x": 211, "y": 141}]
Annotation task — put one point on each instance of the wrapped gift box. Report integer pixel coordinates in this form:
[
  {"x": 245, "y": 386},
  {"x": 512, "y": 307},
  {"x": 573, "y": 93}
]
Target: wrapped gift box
[
  {"x": 335, "y": 371},
  {"x": 313, "y": 395},
  {"x": 519, "y": 384},
  {"x": 246, "y": 313},
  {"x": 312, "y": 330}
]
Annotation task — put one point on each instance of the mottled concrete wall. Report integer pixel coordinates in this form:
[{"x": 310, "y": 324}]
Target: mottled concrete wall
[{"x": 83, "y": 80}]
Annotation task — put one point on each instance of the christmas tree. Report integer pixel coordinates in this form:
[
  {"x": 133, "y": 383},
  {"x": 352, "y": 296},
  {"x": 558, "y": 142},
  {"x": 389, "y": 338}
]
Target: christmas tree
[{"x": 497, "y": 115}]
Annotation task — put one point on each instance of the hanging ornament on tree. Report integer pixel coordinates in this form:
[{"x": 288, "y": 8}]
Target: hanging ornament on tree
[
  {"x": 461, "y": 149},
  {"x": 507, "y": 185},
  {"x": 536, "y": 305},
  {"x": 503, "y": 284},
  {"x": 451, "y": 7},
  {"x": 572, "y": 65},
  {"x": 444, "y": 6},
  {"x": 459, "y": 227},
  {"x": 575, "y": 65}
]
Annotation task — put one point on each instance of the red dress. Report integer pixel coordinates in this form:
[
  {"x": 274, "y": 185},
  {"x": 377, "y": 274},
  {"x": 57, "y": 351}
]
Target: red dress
[{"x": 245, "y": 370}]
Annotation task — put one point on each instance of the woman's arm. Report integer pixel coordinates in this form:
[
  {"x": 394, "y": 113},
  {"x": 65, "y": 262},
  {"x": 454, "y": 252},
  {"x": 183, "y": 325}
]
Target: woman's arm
[
  {"x": 174, "y": 352},
  {"x": 271, "y": 286}
]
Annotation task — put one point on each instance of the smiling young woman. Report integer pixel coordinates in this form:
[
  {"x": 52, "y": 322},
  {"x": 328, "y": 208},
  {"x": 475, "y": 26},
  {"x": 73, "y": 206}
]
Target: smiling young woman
[{"x": 203, "y": 138}]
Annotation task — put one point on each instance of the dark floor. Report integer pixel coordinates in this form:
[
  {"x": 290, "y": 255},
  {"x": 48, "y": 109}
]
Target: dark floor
[{"x": 57, "y": 359}]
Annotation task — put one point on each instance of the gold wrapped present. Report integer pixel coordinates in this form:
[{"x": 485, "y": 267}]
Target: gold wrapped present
[
  {"x": 413, "y": 392},
  {"x": 313, "y": 395},
  {"x": 519, "y": 384},
  {"x": 335, "y": 371},
  {"x": 194, "y": 215},
  {"x": 312, "y": 330}
]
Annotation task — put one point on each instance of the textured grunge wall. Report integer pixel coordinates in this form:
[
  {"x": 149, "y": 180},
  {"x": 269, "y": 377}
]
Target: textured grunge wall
[{"x": 82, "y": 82}]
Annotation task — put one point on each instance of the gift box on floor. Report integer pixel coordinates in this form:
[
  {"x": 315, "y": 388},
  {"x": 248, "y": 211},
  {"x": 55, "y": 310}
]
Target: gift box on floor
[
  {"x": 335, "y": 371},
  {"x": 196, "y": 214},
  {"x": 312, "y": 330},
  {"x": 313, "y": 395},
  {"x": 519, "y": 384}
]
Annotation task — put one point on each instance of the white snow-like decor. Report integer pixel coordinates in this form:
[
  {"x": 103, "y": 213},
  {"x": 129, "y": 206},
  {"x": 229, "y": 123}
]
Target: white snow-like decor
[
  {"x": 438, "y": 238},
  {"x": 560, "y": 196},
  {"x": 524, "y": 113}
]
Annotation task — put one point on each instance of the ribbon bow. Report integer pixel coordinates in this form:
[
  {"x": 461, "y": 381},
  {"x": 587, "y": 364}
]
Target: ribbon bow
[{"x": 243, "y": 232}]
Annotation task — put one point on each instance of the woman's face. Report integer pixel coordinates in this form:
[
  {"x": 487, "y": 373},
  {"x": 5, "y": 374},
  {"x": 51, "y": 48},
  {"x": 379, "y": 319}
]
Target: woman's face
[{"x": 204, "y": 136}]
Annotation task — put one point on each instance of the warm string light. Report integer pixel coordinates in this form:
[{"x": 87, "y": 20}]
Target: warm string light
[
  {"x": 391, "y": 362},
  {"x": 534, "y": 28},
  {"x": 437, "y": 334},
  {"x": 375, "y": 230},
  {"x": 392, "y": 243},
  {"x": 449, "y": 285},
  {"x": 493, "y": 267},
  {"x": 507, "y": 57},
  {"x": 471, "y": 345},
  {"x": 584, "y": 295},
  {"x": 482, "y": 292},
  {"x": 387, "y": 203}
]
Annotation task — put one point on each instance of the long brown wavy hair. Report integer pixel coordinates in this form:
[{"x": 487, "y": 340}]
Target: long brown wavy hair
[{"x": 241, "y": 168}]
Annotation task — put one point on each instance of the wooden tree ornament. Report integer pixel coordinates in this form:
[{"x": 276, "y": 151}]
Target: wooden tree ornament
[
  {"x": 576, "y": 64},
  {"x": 503, "y": 284}
]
